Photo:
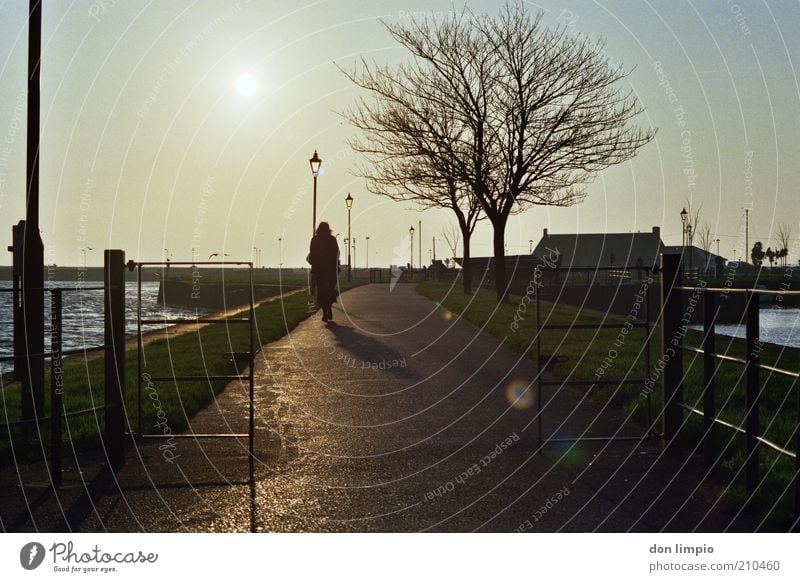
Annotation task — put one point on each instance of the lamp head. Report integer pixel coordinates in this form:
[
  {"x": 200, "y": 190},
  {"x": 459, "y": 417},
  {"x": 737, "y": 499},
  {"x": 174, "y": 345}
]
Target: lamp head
[
  {"x": 684, "y": 216},
  {"x": 349, "y": 201},
  {"x": 315, "y": 162}
]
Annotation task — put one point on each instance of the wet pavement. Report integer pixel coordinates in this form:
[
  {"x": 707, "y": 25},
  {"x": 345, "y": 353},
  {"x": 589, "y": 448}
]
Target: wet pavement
[{"x": 397, "y": 416}]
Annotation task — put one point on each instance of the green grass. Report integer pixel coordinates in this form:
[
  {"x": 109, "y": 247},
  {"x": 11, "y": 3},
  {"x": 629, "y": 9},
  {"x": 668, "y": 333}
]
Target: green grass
[
  {"x": 193, "y": 353},
  {"x": 624, "y": 356}
]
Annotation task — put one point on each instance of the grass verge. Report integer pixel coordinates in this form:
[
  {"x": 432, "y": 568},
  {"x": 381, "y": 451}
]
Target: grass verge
[
  {"x": 613, "y": 353},
  {"x": 193, "y": 353}
]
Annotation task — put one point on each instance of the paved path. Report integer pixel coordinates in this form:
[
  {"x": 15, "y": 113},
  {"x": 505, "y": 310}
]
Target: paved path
[{"x": 396, "y": 417}]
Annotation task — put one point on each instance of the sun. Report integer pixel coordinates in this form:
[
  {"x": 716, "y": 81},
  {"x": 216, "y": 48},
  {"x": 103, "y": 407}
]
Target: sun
[{"x": 246, "y": 85}]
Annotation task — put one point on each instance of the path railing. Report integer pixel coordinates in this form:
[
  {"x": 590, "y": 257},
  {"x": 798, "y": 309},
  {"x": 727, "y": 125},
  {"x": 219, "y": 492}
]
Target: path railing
[
  {"x": 114, "y": 348},
  {"x": 674, "y": 323}
]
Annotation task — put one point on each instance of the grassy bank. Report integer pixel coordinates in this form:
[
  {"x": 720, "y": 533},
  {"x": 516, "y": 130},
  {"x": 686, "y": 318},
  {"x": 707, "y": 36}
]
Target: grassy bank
[
  {"x": 612, "y": 354},
  {"x": 195, "y": 353}
]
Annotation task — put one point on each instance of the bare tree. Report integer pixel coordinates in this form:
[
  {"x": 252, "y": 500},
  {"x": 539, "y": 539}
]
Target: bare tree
[
  {"x": 410, "y": 147},
  {"x": 538, "y": 111},
  {"x": 451, "y": 235},
  {"x": 784, "y": 235}
]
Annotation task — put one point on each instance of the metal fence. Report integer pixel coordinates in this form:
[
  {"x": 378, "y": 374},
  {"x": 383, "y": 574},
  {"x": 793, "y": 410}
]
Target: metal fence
[{"x": 674, "y": 375}]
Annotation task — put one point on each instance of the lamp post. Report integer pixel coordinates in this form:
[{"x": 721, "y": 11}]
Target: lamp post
[
  {"x": 685, "y": 225},
  {"x": 717, "y": 247},
  {"x": 367, "y": 253},
  {"x": 315, "y": 161},
  {"x": 354, "y": 254},
  {"x": 530, "y": 247},
  {"x": 83, "y": 250},
  {"x": 684, "y": 222},
  {"x": 420, "y": 244},
  {"x": 280, "y": 253},
  {"x": 689, "y": 240},
  {"x": 411, "y": 235},
  {"x": 349, "y": 202}
]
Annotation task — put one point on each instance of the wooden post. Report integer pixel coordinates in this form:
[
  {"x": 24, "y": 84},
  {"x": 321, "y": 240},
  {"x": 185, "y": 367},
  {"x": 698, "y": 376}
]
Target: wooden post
[
  {"x": 114, "y": 316},
  {"x": 709, "y": 368},
  {"x": 56, "y": 387},
  {"x": 751, "y": 411},
  {"x": 672, "y": 351}
]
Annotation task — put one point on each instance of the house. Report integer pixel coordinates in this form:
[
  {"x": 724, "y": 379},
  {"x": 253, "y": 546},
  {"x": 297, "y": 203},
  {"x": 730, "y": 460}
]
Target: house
[
  {"x": 626, "y": 249},
  {"x": 599, "y": 250}
]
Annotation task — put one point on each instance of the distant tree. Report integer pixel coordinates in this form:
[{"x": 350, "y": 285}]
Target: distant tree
[
  {"x": 770, "y": 254},
  {"x": 784, "y": 234},
  {"x": 451, "y": 234},
  {"x": 782, "y": 254},
  {"x": 757, "y": 254}
]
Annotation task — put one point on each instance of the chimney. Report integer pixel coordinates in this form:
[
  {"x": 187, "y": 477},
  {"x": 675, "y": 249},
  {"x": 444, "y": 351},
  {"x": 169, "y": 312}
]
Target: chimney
[
  {"x": 657, "y": 231},
  {"x": 544, "y": 232}
]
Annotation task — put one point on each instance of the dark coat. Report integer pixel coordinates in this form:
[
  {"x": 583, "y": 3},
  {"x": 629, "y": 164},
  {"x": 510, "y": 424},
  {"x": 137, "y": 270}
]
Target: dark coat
[{"x": 324, "y": 259}]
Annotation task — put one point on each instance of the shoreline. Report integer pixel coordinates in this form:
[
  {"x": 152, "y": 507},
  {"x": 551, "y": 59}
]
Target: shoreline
[{"x": 168, "y": 332}]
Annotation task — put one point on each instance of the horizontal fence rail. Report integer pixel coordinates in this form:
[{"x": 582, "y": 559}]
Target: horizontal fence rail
[{"x": 674, "y": 375}]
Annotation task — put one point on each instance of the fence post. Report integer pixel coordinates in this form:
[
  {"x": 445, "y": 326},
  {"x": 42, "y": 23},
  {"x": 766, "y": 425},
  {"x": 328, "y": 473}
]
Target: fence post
[
  {"x": 56, "y": 387},
  {"x": 709, "y": 368},
  {"x": 672, "y": 351},
  {"x": 751, "y": 411},
  {"x": 114, "y": 319}
]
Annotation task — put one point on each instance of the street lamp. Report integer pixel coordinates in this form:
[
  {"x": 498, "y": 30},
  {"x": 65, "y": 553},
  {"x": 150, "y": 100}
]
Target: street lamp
[
  {"x": 368, "y": 253},
  {"x": 684, "y": 221},
  {"x": 411, "y": 234},
  {"x": 280, "y": 253},
  {"x": 84, "y": 249},
  {"x": 315, "y": 161},
  {"x": 530, "y": 249},
  {"x": 349, "y": 202}
]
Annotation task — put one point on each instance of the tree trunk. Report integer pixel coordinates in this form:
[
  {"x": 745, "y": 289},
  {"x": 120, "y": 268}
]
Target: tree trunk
[
  {"x": 500, "y": 274},
  {"x": 466, "y": 268}
]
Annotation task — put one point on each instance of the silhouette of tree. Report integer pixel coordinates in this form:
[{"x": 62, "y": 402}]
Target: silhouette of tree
[
  {"x": 784, "y": 234},
  {"x": 770, "y": 254},
  {"x": 757, "y": 254},
  {"x": 536, "y": 112},
  {"x": 410, "y": 148}
]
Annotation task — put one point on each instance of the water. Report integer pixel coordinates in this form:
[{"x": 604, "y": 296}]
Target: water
[
  {"x": 82, "y": 314},
  {"x": 778, "y": 326}
]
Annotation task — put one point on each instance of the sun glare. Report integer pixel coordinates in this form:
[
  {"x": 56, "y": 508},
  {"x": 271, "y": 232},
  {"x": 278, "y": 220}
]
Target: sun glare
[{"x": 246, "y": 85}]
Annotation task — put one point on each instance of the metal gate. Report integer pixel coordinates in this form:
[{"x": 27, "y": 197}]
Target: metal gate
[
  {"x": 237, "y": 359},
  {"x": 612, "y": 277}
]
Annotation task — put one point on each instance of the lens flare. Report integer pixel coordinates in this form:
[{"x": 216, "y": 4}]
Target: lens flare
[{"x": 520, "y": 395}]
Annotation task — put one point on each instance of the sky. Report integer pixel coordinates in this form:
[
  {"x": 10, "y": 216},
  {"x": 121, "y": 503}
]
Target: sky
[{"x": 187, "y": 125}]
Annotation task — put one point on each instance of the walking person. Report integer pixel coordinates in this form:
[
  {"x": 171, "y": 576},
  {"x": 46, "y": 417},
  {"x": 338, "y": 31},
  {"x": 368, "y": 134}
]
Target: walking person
[{"x": 324, "y": 259}]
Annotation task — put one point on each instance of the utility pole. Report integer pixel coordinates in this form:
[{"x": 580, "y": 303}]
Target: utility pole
[
  {"x": 28, "y": 270},
  {"x": 434, "y": 250},
  {"x": 746, "y": 233},
  {"x": 420, "y": 244}
]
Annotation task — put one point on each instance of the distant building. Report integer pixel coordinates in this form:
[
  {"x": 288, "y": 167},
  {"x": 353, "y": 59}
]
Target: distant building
[
  {"x": 616, "y": 249},
  {"x": 603, "y": 250}
]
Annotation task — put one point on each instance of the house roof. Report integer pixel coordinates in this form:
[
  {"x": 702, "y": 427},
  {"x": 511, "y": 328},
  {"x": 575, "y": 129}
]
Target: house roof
[{"x": 602, "y": 249}]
